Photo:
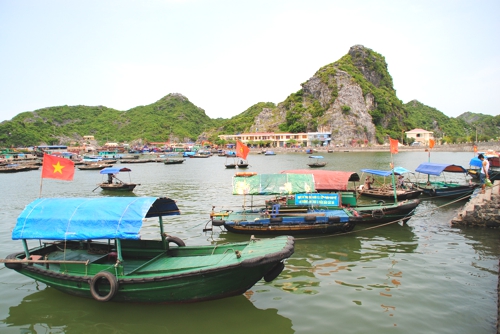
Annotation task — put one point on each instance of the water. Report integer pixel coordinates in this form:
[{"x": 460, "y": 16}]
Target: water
[{"x": 424, "y": 276}]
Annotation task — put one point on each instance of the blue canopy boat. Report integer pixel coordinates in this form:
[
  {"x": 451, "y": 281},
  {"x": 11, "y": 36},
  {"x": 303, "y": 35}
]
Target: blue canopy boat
[
  {"x": 443, "y": 187},
  {"x": 386, "y": 191},
  {"x": 475, "y": 165},
  {"x": 307, "y": 201},
  {"x": 92, "y": 247},
  {"x": 317, "y": 163},
  {"x": 113, "y": 182}
]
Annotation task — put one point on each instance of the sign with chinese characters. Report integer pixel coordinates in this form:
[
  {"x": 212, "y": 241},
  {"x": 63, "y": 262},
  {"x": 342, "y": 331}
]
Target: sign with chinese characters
[{"x": 317, "y": 199}]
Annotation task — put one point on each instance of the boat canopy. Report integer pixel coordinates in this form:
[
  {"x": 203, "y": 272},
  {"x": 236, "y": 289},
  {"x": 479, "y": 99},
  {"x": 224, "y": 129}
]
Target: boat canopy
[
  {"x": 114, "y": 170},
  {"x": 476, "y": 162},
  {"x": 89, "y": 218},
  {"x": 328, "y": 180},
  {"x": 397, "y": 171},
  {"x": 316, "y": 156},
  {"x": 436, "y": 169},
  {"x": 273, "y": 184}
]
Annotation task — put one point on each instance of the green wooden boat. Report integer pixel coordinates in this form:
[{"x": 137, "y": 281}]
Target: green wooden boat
[{"x": 91, "y": 247}]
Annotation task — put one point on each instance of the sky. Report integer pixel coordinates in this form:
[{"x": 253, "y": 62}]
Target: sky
[{"x": 226, "y": 56}]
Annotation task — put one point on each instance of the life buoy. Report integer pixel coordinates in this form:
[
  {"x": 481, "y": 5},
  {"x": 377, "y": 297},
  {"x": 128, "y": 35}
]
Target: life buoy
[
  {"x": 377, "y": 214},
  {"x": 274, "y": 272},
  {"x": 218, "y": 222},
  {"x": 381, "y": 202},
  {"x": 245, "y": 174},
  {"x": 95, "y": 282},
  {"x": 176, "y": 241}
]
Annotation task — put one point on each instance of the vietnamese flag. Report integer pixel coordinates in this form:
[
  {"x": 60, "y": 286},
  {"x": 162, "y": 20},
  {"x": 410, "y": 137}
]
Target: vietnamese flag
[
  {"x": 57, "y": 168},
  {"x": 394, "y": 145},
  {"x": 242, "y": 150}
]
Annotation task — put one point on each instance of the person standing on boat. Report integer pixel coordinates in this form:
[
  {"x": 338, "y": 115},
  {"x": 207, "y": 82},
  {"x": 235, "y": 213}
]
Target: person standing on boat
[
  {"x": 368, "y": 183},
  {"x": 401, "y": 181},
  {"x": 484, "y": 171}
]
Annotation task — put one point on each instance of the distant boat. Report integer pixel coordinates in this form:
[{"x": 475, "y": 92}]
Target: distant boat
[
  {"x": 269, "y": 153},
  {"x": 170, "y": 161},
  {"x": 93, "y": 166},
  {"x": 114, "y": 183},
  {"x": 317, "y": 163}
]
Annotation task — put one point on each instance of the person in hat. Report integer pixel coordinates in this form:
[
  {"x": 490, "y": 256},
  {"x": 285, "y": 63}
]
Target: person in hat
[{"x": 485, "y": 166}]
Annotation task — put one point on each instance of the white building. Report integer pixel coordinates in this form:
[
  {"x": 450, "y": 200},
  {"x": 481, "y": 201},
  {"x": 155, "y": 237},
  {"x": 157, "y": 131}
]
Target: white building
[{"x": 420, "y": 135}]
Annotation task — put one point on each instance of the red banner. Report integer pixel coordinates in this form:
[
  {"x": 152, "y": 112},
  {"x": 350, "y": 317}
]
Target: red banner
[
  {"x": 394, "y": 145},
  {"x": 242, "y": 150},
  {"x": 57, "y": 168}
]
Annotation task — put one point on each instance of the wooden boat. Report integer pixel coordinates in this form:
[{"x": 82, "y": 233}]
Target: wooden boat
[
  {"x": 242, "y": 164},
  {"x": 305, "y": 204},
  {"x": 114, "y": 183},
  {"x": 170, "y": 161},
  {"x": 344, "y": 184},
  {"x": 306, "y": 216},
  {"x": 441, "y": 187},
  {"x": 93, "y": 166},
  {"x": 91, "y": 247},
  {"x": 475, "y": 167},
  {"x": 386, "y": 190},
  {"x": 15, "y": 168},
  {"x": 317, "y": 163}
]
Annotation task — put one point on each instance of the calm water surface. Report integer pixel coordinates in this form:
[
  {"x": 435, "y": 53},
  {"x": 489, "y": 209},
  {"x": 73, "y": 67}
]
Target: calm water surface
[{"x": 424, "y": 276}]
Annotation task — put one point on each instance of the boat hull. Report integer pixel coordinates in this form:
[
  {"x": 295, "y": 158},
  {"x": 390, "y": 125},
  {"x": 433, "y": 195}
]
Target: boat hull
[
  {"x": 386, "y": 213},
  {"x": 449, "y": 191},
  {"x": 118, "y": 187},
  {"x": 149, "y": 274},
  {"x": 389, "y": 194}
]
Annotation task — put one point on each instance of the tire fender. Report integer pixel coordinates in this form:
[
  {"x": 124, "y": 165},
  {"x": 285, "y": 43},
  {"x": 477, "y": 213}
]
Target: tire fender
[
  {"x": 94, "y": 286},
  {"x": 176, "y": 240},
  {"x": 377, "y": 214}
]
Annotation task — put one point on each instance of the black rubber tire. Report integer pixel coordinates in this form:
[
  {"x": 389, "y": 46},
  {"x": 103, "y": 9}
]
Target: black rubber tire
[
  {"x": 94, "y": 286},
  {"x": 14, "y": 266},
  {"x": 378, "y": 214},
  {"x": 276, "y": 220},
  {"x": 274, "y": 272},
  {"x": 310, "y": 218},
  {"x": 218, "y": 222},
  {"x": 175, "y": 240},
  {"x": 432, "y": 192},
  {"x": 334, "y": 219}
]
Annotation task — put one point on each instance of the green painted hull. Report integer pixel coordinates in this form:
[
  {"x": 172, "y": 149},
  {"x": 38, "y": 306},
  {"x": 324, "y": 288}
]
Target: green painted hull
[{"x": 150, "y": 274}]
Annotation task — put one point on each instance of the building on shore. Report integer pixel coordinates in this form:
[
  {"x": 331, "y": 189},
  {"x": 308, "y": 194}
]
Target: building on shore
[{"x": 281, "y": 139}]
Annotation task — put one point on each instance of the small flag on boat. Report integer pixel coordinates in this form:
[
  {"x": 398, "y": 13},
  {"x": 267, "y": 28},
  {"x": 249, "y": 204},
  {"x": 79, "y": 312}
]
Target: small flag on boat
[
  {"x": 475, "y": 149},
  {"x": 57, "y": 168},
  {"x": 394, "y": 145},
  {"x": 242, "y": 150}
]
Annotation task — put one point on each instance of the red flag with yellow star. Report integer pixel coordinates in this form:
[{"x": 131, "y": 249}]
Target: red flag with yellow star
[
  {"x": 57, "y": 168},
  {"x": 241, "y": 150}
]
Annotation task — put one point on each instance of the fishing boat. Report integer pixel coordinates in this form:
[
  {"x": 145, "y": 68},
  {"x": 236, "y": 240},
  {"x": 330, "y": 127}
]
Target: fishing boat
[
  {"x": 390, "y": 190},
  {"x": 114, "y": 183},
  {"x": 242, "y": 164},
  {"x": 91, "y": 247},
  {"x": 440, "y": 186},
  {"x": 269, "y": 153},
  {"x": 93, "y": 166},
  {"x": 15, "y": 168},
  {"x": 344, "y": 183},
  {"x": 317, "y": 163},
  {"x": 310, "y": 213},
  {"x": 242, "y": 151},
  {"x": 476, "y": 164},
  {"x": 170, "y": 161},
  {"x": 318, "y": 202}
]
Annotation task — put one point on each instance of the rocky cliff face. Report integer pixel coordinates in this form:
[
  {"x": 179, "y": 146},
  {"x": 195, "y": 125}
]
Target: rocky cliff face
[{"x": 339, "y": 99}]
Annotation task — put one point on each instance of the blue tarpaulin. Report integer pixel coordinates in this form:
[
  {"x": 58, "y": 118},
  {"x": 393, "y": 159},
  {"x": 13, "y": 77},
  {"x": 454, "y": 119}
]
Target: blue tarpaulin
[
  {"x": 89, "y": 218},
  {"x": 397, "y": 171},
  {"x": 316, "y": 156},
  {"x": 114, "y": 170},
  {"x": 476, "y": 162},
  {"x": 436, "y": 169}
]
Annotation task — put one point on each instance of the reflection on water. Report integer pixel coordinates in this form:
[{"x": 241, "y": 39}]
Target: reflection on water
[
  {"x": 423, "y": 276},
  {"x": 49, "y": 311}
]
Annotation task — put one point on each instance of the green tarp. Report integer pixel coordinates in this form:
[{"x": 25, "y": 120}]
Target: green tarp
[{"x": 273, "y": 184}]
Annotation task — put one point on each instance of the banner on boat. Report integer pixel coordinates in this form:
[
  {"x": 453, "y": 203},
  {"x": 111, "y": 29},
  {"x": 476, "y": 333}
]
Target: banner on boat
[
  {"x": 273, "y": 184},
  {"x": 317, "y": 199}
]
